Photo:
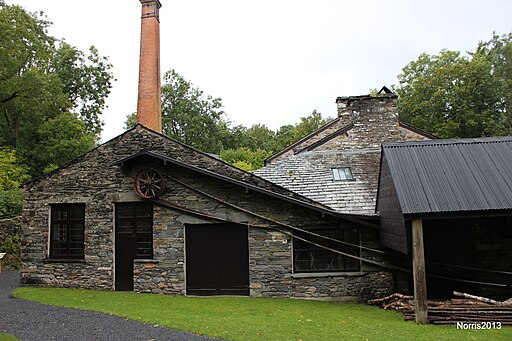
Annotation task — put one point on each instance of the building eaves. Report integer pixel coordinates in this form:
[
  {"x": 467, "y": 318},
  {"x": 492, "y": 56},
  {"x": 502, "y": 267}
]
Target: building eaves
[
  {"x": 417, "y": 130},
  {"x": 306, "y": 203},
  {"x": 448, "y": 176}
]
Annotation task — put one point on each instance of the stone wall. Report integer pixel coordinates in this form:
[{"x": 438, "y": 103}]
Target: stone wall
[
  {"x": 271, "y": 274},
  {"x": 95, "y": 180},
  {"x": 363, "y": 123}
]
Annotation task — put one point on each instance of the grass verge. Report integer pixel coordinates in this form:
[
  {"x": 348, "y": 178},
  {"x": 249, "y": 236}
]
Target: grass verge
[
  {"x": 7, "y": 337},
  {"x": 244, "y": 318}
]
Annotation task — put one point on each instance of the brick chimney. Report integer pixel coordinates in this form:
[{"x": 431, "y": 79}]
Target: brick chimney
[{"x": 148, "y": 104}]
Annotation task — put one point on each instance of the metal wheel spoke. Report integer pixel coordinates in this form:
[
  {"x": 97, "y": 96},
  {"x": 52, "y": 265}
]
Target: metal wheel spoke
[{"x": 149, "y": 183}]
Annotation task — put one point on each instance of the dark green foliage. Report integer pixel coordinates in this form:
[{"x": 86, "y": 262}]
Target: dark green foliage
[
  {"x": 87, "y": 80},
  {"x": 453, "y": 95},
  {"x": 12, "y": 175},
  {"x": 197, "y": 120},
  {"x": 41, "y": 80},
  {"x": 11, "y": 246},
  {"x": 245, "y": 158}
]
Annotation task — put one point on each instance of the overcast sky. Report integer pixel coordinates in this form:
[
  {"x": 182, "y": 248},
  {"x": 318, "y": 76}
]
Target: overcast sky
[{"x": 273, "y": 61}]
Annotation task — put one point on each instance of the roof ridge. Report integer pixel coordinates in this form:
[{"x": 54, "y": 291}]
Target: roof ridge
[
  {"x": 289, "y": 147},
  {"x": 448, "y": 142}
]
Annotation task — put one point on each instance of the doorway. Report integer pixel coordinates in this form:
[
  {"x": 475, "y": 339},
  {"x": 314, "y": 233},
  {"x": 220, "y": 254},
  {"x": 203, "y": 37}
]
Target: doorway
[
  {"x": 217, "y": 259},
  {"x": 134, "y": 240}
]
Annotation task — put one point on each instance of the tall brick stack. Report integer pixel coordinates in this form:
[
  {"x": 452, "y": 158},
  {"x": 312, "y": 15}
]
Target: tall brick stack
[{"x": 148, "y": 104}]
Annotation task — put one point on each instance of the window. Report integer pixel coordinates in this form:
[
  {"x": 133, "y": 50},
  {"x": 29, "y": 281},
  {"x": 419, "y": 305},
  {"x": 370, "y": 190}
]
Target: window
[
  {"x": 343, "y": 173},
  {"x": 67, "y": 231},
  {"x": 135, "y": 220},
  {"x": 311, "y": 258}
]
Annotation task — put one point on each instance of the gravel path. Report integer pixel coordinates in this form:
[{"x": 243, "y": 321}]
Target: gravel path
[{"x": 31, "y": 321}]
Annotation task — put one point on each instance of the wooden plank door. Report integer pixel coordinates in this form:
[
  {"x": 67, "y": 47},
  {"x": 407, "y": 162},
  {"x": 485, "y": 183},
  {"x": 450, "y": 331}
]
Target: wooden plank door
[
  {"x": 134, "y": 239},
  {"x": 217, "y": 259}
]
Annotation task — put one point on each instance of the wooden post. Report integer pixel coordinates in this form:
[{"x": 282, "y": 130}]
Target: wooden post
[{"x": 418, "y": 270}]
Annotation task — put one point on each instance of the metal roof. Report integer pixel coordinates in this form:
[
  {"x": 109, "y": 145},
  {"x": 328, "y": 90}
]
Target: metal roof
[{"x": 452, "y": 175}]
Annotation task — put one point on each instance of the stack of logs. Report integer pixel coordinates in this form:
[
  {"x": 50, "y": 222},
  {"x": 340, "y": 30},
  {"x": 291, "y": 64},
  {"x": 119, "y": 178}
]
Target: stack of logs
[{"x": 464, "y": 308}]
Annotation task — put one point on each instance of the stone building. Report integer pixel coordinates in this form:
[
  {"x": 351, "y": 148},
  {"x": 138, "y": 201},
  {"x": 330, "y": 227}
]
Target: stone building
[
  {"x": 144, "y": 212},
  {"x": 213, "y": 229},
  {"x": 338, "y": 164}
]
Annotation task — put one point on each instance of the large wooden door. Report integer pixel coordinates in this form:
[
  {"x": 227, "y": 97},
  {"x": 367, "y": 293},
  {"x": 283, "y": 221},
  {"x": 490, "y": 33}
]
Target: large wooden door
[
  {"x": 217, "y": 259},
  {"x": 134, "y": 239},
  {"x": 449, "y": 242}
]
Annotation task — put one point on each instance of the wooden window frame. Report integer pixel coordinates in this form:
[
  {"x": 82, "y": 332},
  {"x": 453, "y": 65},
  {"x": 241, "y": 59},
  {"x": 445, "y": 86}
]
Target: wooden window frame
[
  {"x": 338, "y": 263},
  {"x": 70, "y": 222},
  {"x": 136, "y": 220}
]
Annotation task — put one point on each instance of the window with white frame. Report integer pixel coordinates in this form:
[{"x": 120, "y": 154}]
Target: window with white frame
[{"x": 342, "y": 174}]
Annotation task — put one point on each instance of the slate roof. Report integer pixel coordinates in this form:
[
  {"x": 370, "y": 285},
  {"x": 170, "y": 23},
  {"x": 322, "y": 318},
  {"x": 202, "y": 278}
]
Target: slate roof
[
  {"x": 273, "y": 191},
  {"x": 452, "y": 175},
  {"x": 140, "y": 141},
  {"x": 310, "y": 174}
]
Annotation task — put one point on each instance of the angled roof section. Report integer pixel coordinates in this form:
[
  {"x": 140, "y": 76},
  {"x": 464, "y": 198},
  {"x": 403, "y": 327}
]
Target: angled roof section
[
  {"x": 310, "y": 174},
  {"x": 314, "y": 137},
  {"x": 256, "y": 184},
  {"x": 443, "y": 176},
  {"x": 352, "y": 140}
]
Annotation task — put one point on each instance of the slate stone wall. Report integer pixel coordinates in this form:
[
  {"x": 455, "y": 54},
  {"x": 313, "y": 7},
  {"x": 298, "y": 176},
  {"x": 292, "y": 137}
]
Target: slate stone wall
[
  {"x": 271, "y": 273},
  {"x": 95, "y": 180},
  {"x": 368, "y": 121}
]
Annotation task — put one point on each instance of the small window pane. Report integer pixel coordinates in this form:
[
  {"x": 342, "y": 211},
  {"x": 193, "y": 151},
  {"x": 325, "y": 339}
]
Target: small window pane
[
  {"x": 134, "y": 221},
  {"x": 343, "y": 173},
  {"x": 67, "y": 231},
  {"x": 312, "y": 258}
]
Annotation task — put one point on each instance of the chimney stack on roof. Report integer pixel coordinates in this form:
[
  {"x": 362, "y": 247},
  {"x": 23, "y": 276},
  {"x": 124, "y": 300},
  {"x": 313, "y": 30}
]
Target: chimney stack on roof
[{"x": 148, "y": 104}]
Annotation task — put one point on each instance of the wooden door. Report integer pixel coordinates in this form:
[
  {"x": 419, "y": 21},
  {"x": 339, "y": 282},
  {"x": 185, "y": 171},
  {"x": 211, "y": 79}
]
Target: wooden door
[
  {"x": 134, "y": 239},
  {"x": 449, "y": 242},
  {"x": 217, "y": 259}
]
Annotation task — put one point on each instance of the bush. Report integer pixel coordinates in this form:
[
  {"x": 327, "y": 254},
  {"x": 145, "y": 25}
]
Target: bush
[{"x": 10, "y": 242}]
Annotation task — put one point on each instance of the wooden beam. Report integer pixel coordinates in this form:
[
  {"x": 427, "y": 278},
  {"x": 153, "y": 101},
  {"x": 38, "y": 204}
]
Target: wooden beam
[{"x": 418, "y": 269}]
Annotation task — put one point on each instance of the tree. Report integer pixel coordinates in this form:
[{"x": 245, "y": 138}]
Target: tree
[
  {"x": 12, "y": 175},
  {"x": 454, "y": 95},
  {"x": 289, "y": 134},
  {"x": 87, "y": 80},
  {"x": 191, "y": 117},
  {"x": 245, "y": 158},
  {"x": 62, "y": 139},
  {"x": 259, "y": 142},
  {"x": 498, "y": 53},
  {"x": 259, "y": 136},
  {"x": 39, "y": 80},
  {"x": 198, "y": 121}
]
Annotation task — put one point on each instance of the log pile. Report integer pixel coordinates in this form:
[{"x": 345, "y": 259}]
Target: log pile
[{"x": 463, "y": 308}]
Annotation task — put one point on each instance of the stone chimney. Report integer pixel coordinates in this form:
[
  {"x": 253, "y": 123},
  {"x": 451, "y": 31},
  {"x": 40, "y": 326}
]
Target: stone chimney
[
  {"x": 148, "y": 104},
  {"x": 368, "y": 109}
]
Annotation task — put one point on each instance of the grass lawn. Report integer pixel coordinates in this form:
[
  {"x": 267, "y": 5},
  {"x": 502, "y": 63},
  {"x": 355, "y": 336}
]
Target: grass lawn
[
  {"x": 7, "y": 337},
  {"x": 244, "y": 318}
]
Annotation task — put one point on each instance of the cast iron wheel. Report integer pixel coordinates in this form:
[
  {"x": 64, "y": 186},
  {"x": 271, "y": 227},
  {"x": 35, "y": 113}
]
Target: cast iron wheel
[{"x": 149, "y": 183}]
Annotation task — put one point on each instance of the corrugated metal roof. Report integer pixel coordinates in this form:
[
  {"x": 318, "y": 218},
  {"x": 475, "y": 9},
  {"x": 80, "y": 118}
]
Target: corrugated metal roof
[{"x": 452, "y": 175}]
